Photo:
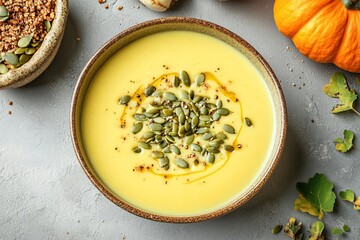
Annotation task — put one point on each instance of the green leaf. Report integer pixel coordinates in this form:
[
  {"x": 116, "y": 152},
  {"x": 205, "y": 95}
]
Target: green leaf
[
  {"x": 317, "y": 194},
  {"x": 316, "y": 231},
  {"x": 339, "y": 88},
  {"x": 346, "y": 228},
  {"x": 347, "y": 195},
  {"x": 293, "y": 230},
  {"x": 337, "y": 231},
  {"x": 344, "y": 145}
]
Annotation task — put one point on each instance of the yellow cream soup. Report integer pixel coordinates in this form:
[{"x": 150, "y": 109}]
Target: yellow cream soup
[{"x": 137, "y": 178}]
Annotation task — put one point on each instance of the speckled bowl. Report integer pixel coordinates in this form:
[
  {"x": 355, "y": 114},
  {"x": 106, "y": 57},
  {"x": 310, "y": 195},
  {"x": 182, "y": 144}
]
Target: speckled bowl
[
  {"x": 168, "y": 24},
  {"x": 43, "y": 56}
]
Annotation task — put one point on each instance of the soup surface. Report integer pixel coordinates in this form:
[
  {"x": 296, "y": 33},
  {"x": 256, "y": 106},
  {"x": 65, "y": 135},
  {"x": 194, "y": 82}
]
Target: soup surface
[{"x": 154, "y": 180}]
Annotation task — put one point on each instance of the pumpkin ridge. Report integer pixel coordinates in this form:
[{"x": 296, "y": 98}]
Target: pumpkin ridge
[{"x": 342, "y": 38}]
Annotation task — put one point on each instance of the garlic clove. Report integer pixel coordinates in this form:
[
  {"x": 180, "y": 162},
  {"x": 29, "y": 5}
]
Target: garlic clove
[{"x": 158, "y": 5}]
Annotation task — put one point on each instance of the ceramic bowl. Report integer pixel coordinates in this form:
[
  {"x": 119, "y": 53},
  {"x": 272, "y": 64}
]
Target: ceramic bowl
[
  {"x": 43, "y": 56},
  {"x": 189, "y": 24}
]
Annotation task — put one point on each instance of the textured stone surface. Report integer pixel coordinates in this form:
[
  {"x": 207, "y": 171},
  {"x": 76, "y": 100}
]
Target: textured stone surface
[{"x": 46, "y": 195}]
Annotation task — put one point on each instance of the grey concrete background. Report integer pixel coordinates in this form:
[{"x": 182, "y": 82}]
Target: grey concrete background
[{"x": 44, "y": 193}]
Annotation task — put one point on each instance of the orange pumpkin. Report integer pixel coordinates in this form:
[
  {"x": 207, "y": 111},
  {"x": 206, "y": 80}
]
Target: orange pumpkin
[{"x": 327, "y": 31}]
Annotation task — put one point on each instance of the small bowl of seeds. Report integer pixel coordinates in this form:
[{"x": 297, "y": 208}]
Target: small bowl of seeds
[{"x": 30, "y": 36}]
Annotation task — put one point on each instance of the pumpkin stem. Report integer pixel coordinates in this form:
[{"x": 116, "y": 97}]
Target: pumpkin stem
[{"x": 352, "y": 4}]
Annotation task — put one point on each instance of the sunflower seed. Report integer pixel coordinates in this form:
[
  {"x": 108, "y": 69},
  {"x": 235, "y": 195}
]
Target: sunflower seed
[
  {"x": 137, "y": 128},
  {"x": 125, "y": 99},
  {"x": 229, "y": 129},
  {"x": 149, "y": 90},
  {"x": 182, "y": 163},
  {"x": 200, "y": 79},
  {"x": 184, "y": 76}
]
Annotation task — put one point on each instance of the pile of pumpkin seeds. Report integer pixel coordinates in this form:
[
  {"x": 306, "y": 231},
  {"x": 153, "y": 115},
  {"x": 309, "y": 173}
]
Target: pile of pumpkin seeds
[
  {"x": 26, "y": 47},
  {"x": 175, "y": 121}
]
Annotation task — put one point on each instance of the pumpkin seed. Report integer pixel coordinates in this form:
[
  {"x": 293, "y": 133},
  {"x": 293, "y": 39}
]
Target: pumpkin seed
[
  {"x": 189, "y": 139},
  {"x": 170, "y": 139},
  {"x": 187, "y": 126},
  {"x": 202, "y": 130},
  {"x": 148, "y": 115},
  {"x": 163, "y": 162},
  {"x": 3, "y": 68},
  {"x": 11, "y": 58},
  {"x": 221, "y": 136},
  {"x": 229, "y": 148},
  {"x": 125, "y": 99},
  {"x": 223, "y": 111},
  {"x": 186, "y": 111},
  {"x": 167, "y": 150},
  {"x": 205, "y": 118},
  {"x": 24, "y": 58},
  {"x": 47, "y": 25},
  {"x": 178, "y": 111},
  {"x": 157, "y": 154},
  {"x": 216, "y": 116},
  {"x": 207, "y": 136},
  {"x": 197, "y": 99},
  {"x": 156, "y": 127},
  {"x": 181, "y": 131},
  {"x": 213, "y": 150},
  {"x": 137, "y": 150},
  {"x": 157, "y": 93},
  {"x": 168, "y": 112},
  {"x": 191, "y": 94},
  {"x": 137, "y": 128},
  {"x": 184, "y": 94},
  {"x": 163, "y": 144},
  {"x": 150, "y": 140},
  {"x": 25, "y": 41},
  {"x": 175, "y": 149},
  {"x": 229, "y": 129},
  {"x": 20, "y": 51},
  {"x": 159, "y": 120},
  {"x": 149, "y": 90},
  {"x": 182, "y": 119},
  {"x": 144, "y": 145},
  {"x": 153, "y": 110},
  {"x": 175, "y": 127},
  {"x": 176, "y": 81},
  {"x": 182, "y": 163},
  {"x": 30, "y": 51},
  {"x": 170, "y": 96},
  {"x": 200, "y": 79},
  {"x": 3, "y": 11},
  {"x": 138, "y": 116},
  {"x": 194, "y": 121},
  {"x": 248, "y": 122},
  {"x": 219, "y": 103},
  {"x": 277, "y": 229},
  {"x": 184, "y": 76},
  {"x": 158, "y": 138},
  {"x": 35, "y": 44},
  {"x": 195, "y": 147},
  {"x": 210, "y": 158}
]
